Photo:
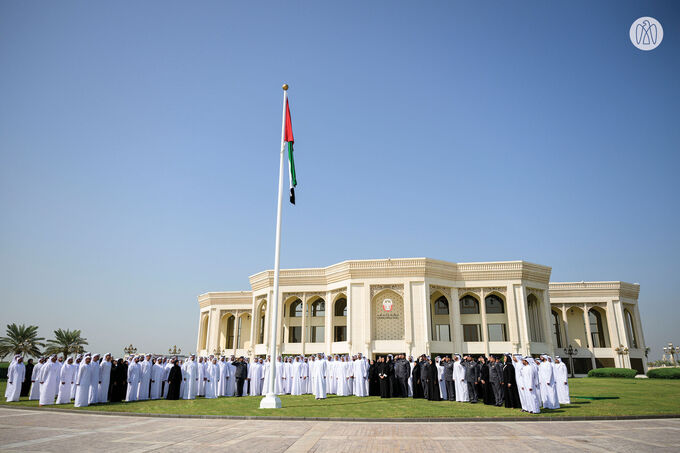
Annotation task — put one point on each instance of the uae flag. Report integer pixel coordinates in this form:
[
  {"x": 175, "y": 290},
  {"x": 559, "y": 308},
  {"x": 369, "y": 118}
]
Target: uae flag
[{"x": 288, "y": 138}]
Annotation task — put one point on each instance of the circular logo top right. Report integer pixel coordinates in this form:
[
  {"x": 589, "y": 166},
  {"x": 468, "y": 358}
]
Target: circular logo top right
[{"x": 646, "y": 33}]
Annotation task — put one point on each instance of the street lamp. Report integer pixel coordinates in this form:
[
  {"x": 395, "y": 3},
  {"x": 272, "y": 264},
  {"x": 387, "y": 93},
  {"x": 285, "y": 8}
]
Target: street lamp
[
  {"x": 621, "y": 350},
  {"x": 174, "y": 350},
  {"x": 129, "y": 350},
  {"x": 571, "y": 352}
]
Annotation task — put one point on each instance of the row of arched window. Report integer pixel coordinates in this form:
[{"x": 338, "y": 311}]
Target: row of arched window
[
  {"x": 318, "y": 308},
  {"x": 470, "y": 305}
]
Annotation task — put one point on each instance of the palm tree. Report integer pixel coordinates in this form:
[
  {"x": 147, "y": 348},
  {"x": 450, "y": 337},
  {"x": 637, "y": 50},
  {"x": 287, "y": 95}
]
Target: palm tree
[
  {"x": 66, "y": 342},
  {"x": 21, "y": 340}
]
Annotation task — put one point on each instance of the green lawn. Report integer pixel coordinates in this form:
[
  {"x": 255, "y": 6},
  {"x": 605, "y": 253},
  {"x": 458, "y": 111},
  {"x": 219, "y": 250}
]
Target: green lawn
[{"x": 590, "y": 397}]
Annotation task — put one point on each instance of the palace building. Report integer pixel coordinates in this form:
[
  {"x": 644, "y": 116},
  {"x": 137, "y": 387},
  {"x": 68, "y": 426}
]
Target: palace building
[{"x": 422, "y": 305}]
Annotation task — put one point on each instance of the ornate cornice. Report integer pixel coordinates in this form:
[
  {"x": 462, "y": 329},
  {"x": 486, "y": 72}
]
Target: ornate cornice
[
  {"x": 375, "y": 289},
  {"x": 446, "y": 291},
  {"x": 463, "y": 291},
  {"x": 614, "y": 290}
]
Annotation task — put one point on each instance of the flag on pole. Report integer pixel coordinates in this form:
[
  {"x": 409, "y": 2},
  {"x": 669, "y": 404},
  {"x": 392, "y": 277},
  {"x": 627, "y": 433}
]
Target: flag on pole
[{"x": 288, "y": 138}]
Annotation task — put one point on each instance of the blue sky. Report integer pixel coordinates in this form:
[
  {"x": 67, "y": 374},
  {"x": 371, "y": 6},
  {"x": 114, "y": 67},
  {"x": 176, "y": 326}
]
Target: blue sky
[{"x": 139, "y": 150}]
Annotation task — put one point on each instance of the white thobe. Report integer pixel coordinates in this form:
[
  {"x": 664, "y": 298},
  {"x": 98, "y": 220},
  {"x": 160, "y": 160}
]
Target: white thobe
[
  {"x": 222, "y": 385},
  {"x": 460, "y": 384},
  {"x": 15, "y": 377},
  {"x": 518, "y": 365},
  {"x": 200, "y": 366},
  {"x": 157, "y": 372},
  {"x": 212, "y": 376},
  {"x": 231, "y": 380},
  {"x": 304, "y": 374},
  {"x": 547, "y": 383},
  {"x": 191, "y": 387},
  {"x": 319, "y": 380},
  {"x": 562, "y": 383},
  {"x": 296, "y": 377},
  {"x": 144, "y": 379},
  {"x": 255, "y": 376},
  {"x": 35, "y": 382},
  {"x": 442, "y": 384},
  {"x": 360, "y": 376},
  {"x": 528, "y": 374},
  {"x": 83, "y": 379},
  {"x": 410, "y": 379},
  {"x": 67, "y": 378},
  {"x": 133, "y": 381},
  {"x": 95, "y": 379},
  {"x": 105, "y": 378},
  {"x": 49, "y": 382},
  {"x": 279, "y": 382},
  {"x": 342, "y": 379},
  {"x": 265, "y": 375}
]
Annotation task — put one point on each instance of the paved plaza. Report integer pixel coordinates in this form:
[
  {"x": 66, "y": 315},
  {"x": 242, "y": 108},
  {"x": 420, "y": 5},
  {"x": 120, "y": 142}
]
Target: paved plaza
[{"x": 30, "y": 430}]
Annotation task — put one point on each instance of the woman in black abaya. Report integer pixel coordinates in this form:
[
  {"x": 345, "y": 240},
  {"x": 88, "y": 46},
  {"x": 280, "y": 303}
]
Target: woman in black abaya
[
  {"x": 174, "y": 381},
  {"x": 373, "y": 384},
  {"x": 509, "y": 382},
  {"x": 433, "y": 383}
]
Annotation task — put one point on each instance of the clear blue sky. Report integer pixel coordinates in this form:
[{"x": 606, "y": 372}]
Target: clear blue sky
[{"x": 139, "y": 150}]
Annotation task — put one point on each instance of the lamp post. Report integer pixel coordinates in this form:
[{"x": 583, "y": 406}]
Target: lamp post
[
  {"x": 129, "y": 350},
  {"x": 671, "y": 351},
  {"x": 621, "y": 351},
  {"x": 174, "y": 350},
  {"x": 571, "y": 352}
]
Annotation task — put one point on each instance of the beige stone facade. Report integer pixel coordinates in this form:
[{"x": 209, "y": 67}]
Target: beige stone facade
[{"x": 422, "y": 305}]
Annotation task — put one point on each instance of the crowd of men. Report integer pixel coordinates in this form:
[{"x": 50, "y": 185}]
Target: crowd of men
[{"x": 514, "y": 382}]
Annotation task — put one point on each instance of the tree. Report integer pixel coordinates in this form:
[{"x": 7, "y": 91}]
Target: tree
[
  {"x": 66, "y": 342},
  {"x": 21, "y": 340}
]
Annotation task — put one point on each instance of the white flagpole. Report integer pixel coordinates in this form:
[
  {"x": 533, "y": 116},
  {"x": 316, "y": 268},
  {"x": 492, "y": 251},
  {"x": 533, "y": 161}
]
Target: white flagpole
[{"x": 271, "y": 401}]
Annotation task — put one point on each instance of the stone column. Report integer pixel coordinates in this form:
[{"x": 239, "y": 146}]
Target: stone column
[
  {"x": 303, "y": 339},
  {"x": 457, "y": 326},
  {"x": 254, "y": 321},
  {"x": 613, "y": 330},
  {"x": 408, "y": 316},
  {"x": 236, "y": 333},
  {"x": 589, "y": 336},
  {"x": 521, "y": 304},
  {"x": 453, "y": 331},
  {"x": 565, "y": 326},
  {"x": 482, "y": 312}
]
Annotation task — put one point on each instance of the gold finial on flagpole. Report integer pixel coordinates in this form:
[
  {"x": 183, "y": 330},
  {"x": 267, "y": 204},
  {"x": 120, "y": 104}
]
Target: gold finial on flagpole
[{"x": 285, "y": 87}]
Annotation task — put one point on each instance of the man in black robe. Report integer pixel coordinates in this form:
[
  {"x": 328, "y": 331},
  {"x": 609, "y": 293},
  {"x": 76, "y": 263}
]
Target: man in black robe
[
  {"x": 174, "y": 381},
  {"x": 26, "y": 385},
  {"x": 510, "y": 384},
  {"x": 448, "y": 379},
  {"x": 402, "y": 373}
]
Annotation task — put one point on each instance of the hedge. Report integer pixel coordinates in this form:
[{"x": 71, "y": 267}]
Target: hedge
[
  {"x": 3, "y": 370},
  {"x": 664, "y": 373},
  {"x": 613, "y": 372}
]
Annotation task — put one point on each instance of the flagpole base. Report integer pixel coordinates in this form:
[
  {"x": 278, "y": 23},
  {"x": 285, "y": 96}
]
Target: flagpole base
[{"x": 270, "y": 401}]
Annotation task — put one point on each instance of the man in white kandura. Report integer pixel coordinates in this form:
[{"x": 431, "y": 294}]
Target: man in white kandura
[
  {"x": 132, "y": 380},
  {"x": 561, "y": 381},
  {"x": 49, "y": 381},
  {"x": 67, "y": 378},
  {"x": 320, "y": 379},
  {"x": 105, "y": 378},
  {"x": 15, "y": 377},
  {"x": 546, "y": 380},
  {"x": 83, "y": 378}
]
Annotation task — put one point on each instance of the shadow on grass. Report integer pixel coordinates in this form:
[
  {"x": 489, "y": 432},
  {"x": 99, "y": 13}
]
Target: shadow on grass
[{"x": 597, "y": 397}]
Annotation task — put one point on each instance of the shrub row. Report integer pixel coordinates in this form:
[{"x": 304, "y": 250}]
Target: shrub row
[
  {"x": 664, "y": 373},
  {"x": 612, "y": 372}
]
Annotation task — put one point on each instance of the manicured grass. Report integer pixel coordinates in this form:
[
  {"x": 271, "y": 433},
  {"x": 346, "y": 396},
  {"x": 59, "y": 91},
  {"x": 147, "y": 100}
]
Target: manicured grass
[{"x": 589, "y": 396}]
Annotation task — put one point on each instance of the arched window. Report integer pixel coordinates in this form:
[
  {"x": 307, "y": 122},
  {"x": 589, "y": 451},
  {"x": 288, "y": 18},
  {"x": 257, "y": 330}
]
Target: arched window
[
  {"x": 469, "y": 306},
  {"x": 630, "y": 330},
  {"x": 318, "y": 308},
  {"x": 295, "y": 309},
  {"x": 494, "y": 304},
  {"x": 534, "y": 318},
  {"x": 557, "y": 337},
  {"x": 230, "y": 331},
  {"x": 596, "y": 330},
  {"x": 441, "y": 306},
  {"x": 341, "y": 307}
]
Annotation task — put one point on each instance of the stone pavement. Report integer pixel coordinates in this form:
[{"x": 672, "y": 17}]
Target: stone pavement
[{"x": 29, "y": 430}]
